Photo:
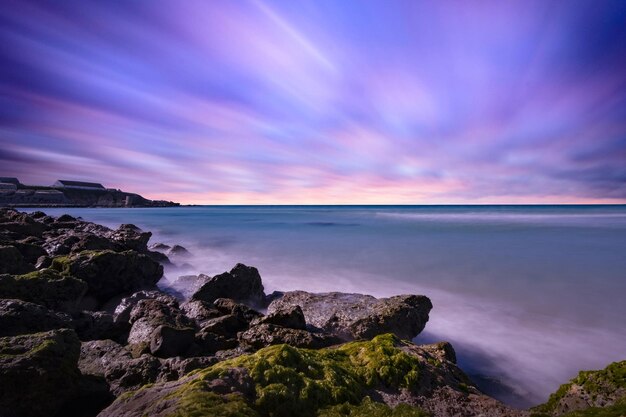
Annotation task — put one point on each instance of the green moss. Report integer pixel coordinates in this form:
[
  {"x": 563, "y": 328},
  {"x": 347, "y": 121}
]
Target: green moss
[
  {"x": 604, "y": 381},
  {"x": 300, "y": 382},
  {"x": 369, "y": 408},
  {"x": 46, "y": 287},
  {"x": 616, "y": 410}
]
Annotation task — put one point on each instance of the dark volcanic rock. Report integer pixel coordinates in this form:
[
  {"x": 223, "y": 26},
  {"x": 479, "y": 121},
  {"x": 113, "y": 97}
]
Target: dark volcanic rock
[
  {"x": 131, "y": 237},
  {"x": 242, "y": 283},
  {"x": 126, "y": 305},
  {"x": 21, "y": 317},
  {"x": 12, "y": 261},
  {"x": 286, "y": 316},
  {"x": 167, "y": 341},
  {"x": 357, "y": 316},
  {"x": 178, "y": 251},
  {"x": 38, "y": 373},
  {"x": 262, "y": 335},
  {"x": 46, "y": 287},
  {"x": 109, "y": 273},
  {"x": 96, "y": 325},
  {"x": 157, "y": 325},
  {"x": 200, "y": 311},
  {"x": 605, "y": 389}
]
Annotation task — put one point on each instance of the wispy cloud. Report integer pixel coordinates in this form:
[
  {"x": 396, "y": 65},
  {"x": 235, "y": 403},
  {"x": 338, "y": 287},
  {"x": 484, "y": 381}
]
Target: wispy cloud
[{"x": 327, "y": 102}]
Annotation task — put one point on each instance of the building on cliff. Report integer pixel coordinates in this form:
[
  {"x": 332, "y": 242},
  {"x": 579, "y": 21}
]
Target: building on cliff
[
  {"x": 79, "y": 185},
  {"x": 10, "y": 180}
]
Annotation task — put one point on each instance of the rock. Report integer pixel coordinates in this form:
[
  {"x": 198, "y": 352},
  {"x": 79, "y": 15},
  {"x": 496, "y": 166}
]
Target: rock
[
  {"x": 234, "y": 383},
  {"x": 38, "y": 373},
  {"x": 114, "y": 363},
  {"x": 178, "y": 251},
  {"x": 227, "y": 325},
  {"x": 43, "y": 262},
  {"x": 109, "y": 273},
  {"x": 21, "y": 317},
  {"x": 97, "y": 325},
  {"x": 46, "y": 287},
  {"x": 200, "y": 311},
  {"x": 12, "y": 261},
  {"x": 126, "y": 305},
  {"x": 131, "y": 237},
  {"x": 286, "y": 316},
  {"x": 605, "y": 390},
  {"x": 209, "y": 343},
  {"x": 241, "y": 311},
  {"x": 263, "y": 335},
  {"x": 147, "y": 319},
  {"x": 167, "y": 341},
  {"x": 159, "y": 247},
  {"x": 242, "y": 283},
  {"x": 30, "y": 250},
  {"x": 283, "y": 380},
  {"x": 357, "y": 316}
]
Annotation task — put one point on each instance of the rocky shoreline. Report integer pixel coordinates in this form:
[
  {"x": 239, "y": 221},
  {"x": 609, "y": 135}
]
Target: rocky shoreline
[{"x": 86, "y": 331}]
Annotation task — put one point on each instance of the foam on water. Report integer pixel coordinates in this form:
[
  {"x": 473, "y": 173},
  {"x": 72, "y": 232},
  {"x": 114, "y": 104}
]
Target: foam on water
[{"x": 528, "y": 295}]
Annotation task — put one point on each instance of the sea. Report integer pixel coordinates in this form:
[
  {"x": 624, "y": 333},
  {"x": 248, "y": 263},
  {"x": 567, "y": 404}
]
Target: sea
[{"x": 527, "y": 295}]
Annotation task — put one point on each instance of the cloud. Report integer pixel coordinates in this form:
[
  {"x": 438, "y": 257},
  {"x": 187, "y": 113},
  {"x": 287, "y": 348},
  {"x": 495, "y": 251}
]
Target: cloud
[{"x": 263, "y": 102}]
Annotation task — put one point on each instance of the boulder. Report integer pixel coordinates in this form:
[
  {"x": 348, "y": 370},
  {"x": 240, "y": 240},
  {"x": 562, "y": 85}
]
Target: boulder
[
  {"x": 38, "y": 373},
  {"x": 263, "y": 335},
  {"x": 242, "y": 283},
  {"x": 21, "y": 317},
  {"x": 178, "y": 251},
  {"x": 109, "y": 273},
  {"x": 167, "y": 341},
  {"x": 358, "y": 316},
  {"x": 200, "y": 311},
  {"x": 97, "y": 325},
  {"x": 126, "y": 305},
  {"x": 131, "y": 237},
  {"x": 290, "y": 316},
  {"x": 12, "y": 261},
  {"x": 161, "y": 328},
  {"x": 159, "y": 247},
  {"x": 604, "y": 390},
  {"x": 354, "y": 379},
  {"x": 46, "y": 287}
]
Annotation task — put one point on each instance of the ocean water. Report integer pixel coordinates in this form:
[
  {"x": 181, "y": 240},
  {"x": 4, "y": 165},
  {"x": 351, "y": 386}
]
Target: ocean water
[{"x": 528, "y": 295}]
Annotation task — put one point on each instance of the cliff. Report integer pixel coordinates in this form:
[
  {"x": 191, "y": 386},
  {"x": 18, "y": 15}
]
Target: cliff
[{"x": 40, "y": 196}]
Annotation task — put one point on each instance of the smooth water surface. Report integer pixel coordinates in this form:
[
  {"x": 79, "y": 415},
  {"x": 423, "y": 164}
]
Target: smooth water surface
[{"x": 528, "y": 295}]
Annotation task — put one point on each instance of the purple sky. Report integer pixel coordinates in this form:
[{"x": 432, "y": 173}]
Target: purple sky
[{"x": 337, "y": 101}]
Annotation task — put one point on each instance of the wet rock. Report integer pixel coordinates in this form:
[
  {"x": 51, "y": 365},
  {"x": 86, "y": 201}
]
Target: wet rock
[
  {"x": 21, "y": 317},
  {"x": 97, "y": 325},
  {"x": 167, "y": 341},
  {"x": 242, "y": 283},
  {"x": 148, "y": 318},
  {"x": 605, "y": 389},
  {"x": 178, "y": 251},
  {"x": 109, "y": 273},
  {"x": 46, "y": 287},
  {"x": 38, "y": 372},
  {"x": 200, "y": 311},
  {"x": 43, "y": 262},
  {"x": 227, "y": 325},
  {"x": 263, "y": 335},
  {"x": 159, "y": 247},
  {"x": 241, "y": 311},
  {"x": 12, "y": 261},
  {"x": 289, "y": 316},
  {"x": 126, "y": 305},
  {"x": 131, "y": 237},
  {"x": 357, "y": 316}
]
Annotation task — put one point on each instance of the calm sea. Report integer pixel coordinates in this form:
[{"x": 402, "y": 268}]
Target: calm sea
[{"x": 528, "y": 295}]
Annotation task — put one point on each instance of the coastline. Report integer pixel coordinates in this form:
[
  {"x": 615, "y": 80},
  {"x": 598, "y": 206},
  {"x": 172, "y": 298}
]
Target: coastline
[{"x": 83, "y": 256}]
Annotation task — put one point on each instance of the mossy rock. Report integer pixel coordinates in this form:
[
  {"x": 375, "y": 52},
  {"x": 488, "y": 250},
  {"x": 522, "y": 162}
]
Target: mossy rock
[
  {"x": 46, "y": 287},
  {"x": 369, "y": 408},
  {"x": 38, "y": 372},
  {"x": 589, "y": 391},
  {"x": 108, "y": 273},
  {"x": 286, "y": 381}
]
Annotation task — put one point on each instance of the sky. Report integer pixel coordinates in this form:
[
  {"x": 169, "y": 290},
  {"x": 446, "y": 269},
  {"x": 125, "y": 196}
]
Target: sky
[{"x": 319, "y": 102}]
